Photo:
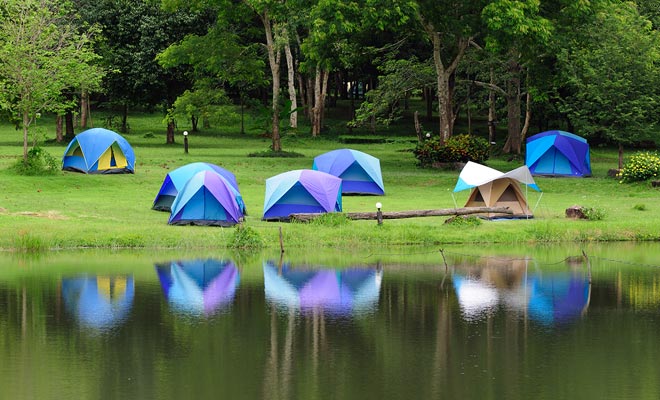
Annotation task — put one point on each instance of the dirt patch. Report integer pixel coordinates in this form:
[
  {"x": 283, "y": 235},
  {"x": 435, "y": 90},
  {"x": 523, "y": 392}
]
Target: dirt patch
[{"x": 47, "y": 214}]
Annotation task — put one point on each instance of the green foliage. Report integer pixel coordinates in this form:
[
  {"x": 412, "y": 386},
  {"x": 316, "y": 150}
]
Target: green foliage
[
  {"x": 464, "y": 221},
  {"x": 245, "y": 238},
  {"x": 39, "y": 162},
  {"x": 640, "y": 207},
  {"x": 331, "y": 220},
  {"x": 593, "y": 213},
  {"x": 608, "y": 75},
  {"x": 458, "y": 148},
  {"x": 640, "y": 167}
]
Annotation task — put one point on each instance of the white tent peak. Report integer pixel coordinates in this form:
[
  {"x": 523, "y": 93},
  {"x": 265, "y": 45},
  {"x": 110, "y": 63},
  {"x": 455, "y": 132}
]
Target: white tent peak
[{"x": 475, "y": 174}]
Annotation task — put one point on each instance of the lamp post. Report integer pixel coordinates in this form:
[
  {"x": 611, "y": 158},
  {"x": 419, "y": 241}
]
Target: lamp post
[
  {"x": 185, "y": 141},
  {"x": 379, "y": 214}
]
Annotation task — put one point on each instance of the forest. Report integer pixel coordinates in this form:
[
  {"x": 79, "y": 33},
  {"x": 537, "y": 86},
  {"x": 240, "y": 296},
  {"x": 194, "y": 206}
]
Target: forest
[{"x": 585, "y": 66}]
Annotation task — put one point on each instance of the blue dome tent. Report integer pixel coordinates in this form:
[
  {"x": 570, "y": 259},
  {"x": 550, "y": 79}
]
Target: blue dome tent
[
  {"x": 301, "y": 191},
  {"x": 360, "y": 172},
  {"x": 558, "y": 153},
  {"x": 175, "y": 181},
  {"x": 99, "y": 151},
  {"x": 207, "y": 199}
]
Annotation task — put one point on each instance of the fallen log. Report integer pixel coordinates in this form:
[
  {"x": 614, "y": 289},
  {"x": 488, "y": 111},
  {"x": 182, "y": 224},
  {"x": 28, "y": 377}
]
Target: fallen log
[{"x": 306, "y": 217}]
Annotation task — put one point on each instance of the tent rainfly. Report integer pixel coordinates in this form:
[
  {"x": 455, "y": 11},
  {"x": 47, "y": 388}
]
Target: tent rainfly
[
  {"x": 492, "y": 188},
  {"x": 207, "y": 199},
  {"x": 360, "y": 172},
  {"x": 175, "y": 181},
  {"x": 301, "y": 191},
  {"x": 558, "y": 153},
  {"x": 99, "y": 151}
]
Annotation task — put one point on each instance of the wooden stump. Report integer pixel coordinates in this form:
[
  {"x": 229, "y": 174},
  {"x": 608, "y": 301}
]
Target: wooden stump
[
  {"x": 575, "y": 212},
  {"x": 612, "y": 173},
  {"x": 655, "y": 183}
]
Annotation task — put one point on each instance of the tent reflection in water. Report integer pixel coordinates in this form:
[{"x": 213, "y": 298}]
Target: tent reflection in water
[
  {"x": 199, "y": 287},
  {"x": 552, "y": 298},
  {"x": 339, "y": 292},
  {"x": 492, "y": 188},
  {"x": 557, "y": 298},
  {"x": 99, "y": 302}
]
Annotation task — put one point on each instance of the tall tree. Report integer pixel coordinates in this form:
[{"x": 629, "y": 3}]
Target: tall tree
[
  {"x": 516, "y": 32},
  {"x": 135, "y": 32},
  {"x": 608, "y": 75},
  {"x": 42, "y": 54},
  {"x": 450, "y": 26}
]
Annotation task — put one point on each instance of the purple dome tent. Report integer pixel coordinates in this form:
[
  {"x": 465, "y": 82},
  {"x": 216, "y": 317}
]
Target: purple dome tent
[
  {"x": 207, "y": 199},
  {"x": 301, "y": 191},
  {"x": 176, "y": 179},
  {"x": 360, "y": 172}
]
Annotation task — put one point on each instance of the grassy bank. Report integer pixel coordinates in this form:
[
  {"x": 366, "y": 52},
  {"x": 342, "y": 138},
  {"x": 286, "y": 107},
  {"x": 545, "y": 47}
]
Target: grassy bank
[{"x": 70, "y": 210}]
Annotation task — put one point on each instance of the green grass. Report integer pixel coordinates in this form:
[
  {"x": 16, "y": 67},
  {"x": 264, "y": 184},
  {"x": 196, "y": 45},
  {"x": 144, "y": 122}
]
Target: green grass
[{"x": 69, "y": 210}]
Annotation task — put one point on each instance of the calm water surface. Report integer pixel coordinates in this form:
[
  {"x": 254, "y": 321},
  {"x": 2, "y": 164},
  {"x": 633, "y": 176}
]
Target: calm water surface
[{"x": 544, "y": 323}]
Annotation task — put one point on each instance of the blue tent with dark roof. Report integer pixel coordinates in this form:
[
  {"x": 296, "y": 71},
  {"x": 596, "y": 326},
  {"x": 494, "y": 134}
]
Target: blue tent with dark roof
[
  {"x": 558, "y": 153},
  {"x": 360, "y": 172}
]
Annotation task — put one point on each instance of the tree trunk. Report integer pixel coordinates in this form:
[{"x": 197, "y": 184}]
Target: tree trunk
[
  {"x": 491, "y": 109},
  {"x": 444, "y": 75},
  {"x": 274, "y": 61},
  {"x": 124, "y": 118},
  {"x": 194, "y": 121},
  {"x": 620, "y": 156},
  {"x": 26, "y": 124},
  {"x": 59, "y": 129},
  {"x": 84, "y": 109},
  {"x": 316, "y": 110},
  {"x": 429, "y": 104},
  {"x": 514, "y": 141},
  {"x": 68, "y": 119},
  {"x": 291, "y": 81},
  {"x": 170, "y": 132}
]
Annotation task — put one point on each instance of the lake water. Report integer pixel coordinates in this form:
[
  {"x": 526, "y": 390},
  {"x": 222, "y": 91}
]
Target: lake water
[{"x": 461, "y": 323}]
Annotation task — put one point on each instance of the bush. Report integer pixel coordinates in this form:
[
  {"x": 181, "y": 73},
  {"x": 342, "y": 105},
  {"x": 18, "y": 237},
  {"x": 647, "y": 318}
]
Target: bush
[
  {"x": 39, "y": 162},
  {"x": 458, "y": 148},
  {"x": 593, "y": 213},
  {"x": 245, "y": 238},
  {"x": 640, "y": 167}
]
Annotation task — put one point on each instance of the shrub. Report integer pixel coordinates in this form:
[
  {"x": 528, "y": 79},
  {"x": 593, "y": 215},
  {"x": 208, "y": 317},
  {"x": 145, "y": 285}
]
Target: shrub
[
  {"x": 39, "y": 162},
  {"x": 640, "y": 167},
  {"x": 245, "y": 238},
  {"x": 458, "y": 148},
  {"x": 593, "y": 213}
]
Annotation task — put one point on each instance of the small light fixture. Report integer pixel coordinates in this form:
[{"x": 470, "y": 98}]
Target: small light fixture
[
  {"x": 428, "y": 135},
  {"x": 185, "y": 141}
]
